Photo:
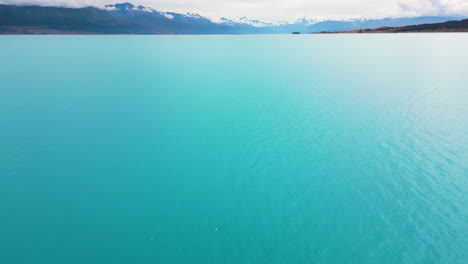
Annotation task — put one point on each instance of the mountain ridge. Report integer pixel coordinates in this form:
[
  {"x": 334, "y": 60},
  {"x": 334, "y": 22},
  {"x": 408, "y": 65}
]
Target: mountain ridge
[{"x": 126, "y": 18}]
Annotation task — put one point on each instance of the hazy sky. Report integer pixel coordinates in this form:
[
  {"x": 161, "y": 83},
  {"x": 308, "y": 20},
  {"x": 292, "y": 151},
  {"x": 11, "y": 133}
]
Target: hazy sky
[{"x": 275, "y": 10}]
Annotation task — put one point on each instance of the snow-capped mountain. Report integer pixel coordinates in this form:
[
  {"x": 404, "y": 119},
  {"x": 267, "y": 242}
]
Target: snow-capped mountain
[
  {"x": 243, "y": 20},
  {"x": 126, "y": 18}
]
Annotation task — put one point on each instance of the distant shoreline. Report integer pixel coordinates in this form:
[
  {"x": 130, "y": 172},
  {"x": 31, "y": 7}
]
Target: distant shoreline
[
  {"x": 446, "y": 27},
  {"x": 72, "y": 33}
]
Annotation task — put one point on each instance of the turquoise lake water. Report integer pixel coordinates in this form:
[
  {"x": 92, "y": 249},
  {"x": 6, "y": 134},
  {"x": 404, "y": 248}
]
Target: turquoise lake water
[{"x": 234, "y": 149}]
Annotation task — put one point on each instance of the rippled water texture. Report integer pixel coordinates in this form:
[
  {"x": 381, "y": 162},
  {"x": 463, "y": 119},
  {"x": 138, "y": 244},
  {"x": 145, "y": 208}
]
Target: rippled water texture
[{"x": 234, "y": 149}]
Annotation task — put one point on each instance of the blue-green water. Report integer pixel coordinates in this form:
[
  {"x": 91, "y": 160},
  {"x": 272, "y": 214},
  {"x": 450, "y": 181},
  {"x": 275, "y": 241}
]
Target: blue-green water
[{"x": 234, "y": 149}]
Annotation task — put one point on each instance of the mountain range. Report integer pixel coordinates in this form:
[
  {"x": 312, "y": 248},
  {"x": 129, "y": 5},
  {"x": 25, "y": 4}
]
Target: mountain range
[{"x": 126, "y": 18}]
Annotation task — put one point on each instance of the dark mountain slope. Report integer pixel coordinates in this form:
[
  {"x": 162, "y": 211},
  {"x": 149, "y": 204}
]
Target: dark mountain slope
[
  {"x": 82, "y": 19},
  {"x": 450, "y": 26}
]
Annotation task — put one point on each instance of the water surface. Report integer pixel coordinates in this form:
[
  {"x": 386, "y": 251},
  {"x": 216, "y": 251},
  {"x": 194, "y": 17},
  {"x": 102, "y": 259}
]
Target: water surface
[{"x": 234, "y": 149}]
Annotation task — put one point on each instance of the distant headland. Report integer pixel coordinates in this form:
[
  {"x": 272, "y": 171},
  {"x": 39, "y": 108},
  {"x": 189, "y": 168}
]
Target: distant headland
[{"x": 450, "y": 26}]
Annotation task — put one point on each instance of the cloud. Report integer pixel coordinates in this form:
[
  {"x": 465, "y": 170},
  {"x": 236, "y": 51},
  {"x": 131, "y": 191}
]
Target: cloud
[
  {"x": 64, "y": 3},
  {"x": 285, "y": 9},
  {"x": 434, "y": 7}
]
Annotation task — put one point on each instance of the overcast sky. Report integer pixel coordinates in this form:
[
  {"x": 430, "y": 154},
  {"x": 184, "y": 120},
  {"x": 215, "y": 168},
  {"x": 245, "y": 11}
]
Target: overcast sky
[{"x": 275, "y": 10}]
